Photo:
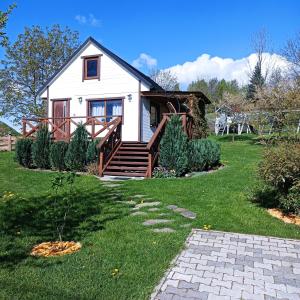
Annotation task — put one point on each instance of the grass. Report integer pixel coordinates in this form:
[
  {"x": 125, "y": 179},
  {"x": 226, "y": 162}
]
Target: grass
[{"x": 112, "y": 239}]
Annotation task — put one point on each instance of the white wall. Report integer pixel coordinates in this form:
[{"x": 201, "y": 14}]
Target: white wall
[
  {"x": 115, "y": 81},
  {"x": 146, "y": 130}
]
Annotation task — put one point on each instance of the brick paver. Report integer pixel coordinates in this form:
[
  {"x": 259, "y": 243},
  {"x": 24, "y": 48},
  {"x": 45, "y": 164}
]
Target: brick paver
[{"x": 221, "y": 265}]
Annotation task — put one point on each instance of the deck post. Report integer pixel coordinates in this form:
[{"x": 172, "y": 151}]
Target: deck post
[
  {"x": 149, "y": 170},
  {"x": 100, "y": 167}
]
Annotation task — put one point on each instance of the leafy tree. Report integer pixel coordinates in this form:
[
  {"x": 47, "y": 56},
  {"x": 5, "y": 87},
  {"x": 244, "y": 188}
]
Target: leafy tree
[
  {"x": 75, "y": 158},
  {"x": 291, "y": 52},
  {"x": 165, "y": 79},
  {"x": 174, "y": 147},
  {"x": 41, "y": 149},
  {"x": 34, "y": 57},
  {"x": 3, "y": 21},
  {"x": 256, "y": 82}
]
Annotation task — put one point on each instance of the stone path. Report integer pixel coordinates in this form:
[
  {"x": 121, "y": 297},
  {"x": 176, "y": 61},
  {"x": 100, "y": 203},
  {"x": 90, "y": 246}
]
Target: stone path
[
  {"x": 220, "y": 265},
  {"x": 184, "y": 212}
]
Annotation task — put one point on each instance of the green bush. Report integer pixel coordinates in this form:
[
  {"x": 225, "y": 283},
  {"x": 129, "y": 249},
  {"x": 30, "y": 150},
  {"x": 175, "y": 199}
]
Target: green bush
[
  {"x": 41, "y": 148},
  {"x": 75, "y": 159},
  {"x": 280, "y": 166},
  {"x": 24, "y": 152},
  {"x": 92, "y": 152},
  {"x": 174, "y": 147},
  {"x": 58, "y": 152},
  {"x": 161, "y": 172},
  {"x": 203, "y": 154},
  {"x": 290, "y": 203}
]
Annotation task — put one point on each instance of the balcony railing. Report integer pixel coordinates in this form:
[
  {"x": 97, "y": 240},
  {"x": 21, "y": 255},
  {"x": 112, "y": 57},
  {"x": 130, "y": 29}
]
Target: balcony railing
[{"x": 64, "y": 128}]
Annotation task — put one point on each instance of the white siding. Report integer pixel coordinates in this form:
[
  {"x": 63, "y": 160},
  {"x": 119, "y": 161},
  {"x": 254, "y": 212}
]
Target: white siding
[
  {"x": 147, "y": 130},
  {"x": 115, "y": 81}
]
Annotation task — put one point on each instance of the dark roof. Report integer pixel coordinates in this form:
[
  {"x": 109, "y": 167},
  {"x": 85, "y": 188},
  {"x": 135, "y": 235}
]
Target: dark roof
[
  {"x": 175, "y": 94},
  {"x": 141, "y": 76}
]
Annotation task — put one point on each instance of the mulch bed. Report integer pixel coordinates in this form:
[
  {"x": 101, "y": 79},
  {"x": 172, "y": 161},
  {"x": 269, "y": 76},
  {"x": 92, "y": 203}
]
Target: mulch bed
[
  {"x": 290, "y": 219},
  {"x": 49, "y": 249}
]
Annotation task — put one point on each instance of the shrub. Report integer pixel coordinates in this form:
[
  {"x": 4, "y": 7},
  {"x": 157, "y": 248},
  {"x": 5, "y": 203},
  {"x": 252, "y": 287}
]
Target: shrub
[
  {"x": 203, "y": 154},
  {"x": 174, "y": 147},
  {"x": 92, "y": 168},
  {"x": 41, "y": 148},
  {"x": 57, "y": 155},
  {"x": 281, "y": 166},
  {"x": 290, "y": 203},
  {"x": 75, "y": 159},
  {"x": 24, "y": 152},
  {"x": 92, "y": 152},
  {"x": 161, "y": 172}
]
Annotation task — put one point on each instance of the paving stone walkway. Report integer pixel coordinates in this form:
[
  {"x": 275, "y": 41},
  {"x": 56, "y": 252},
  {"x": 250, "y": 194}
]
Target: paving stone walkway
[{"x": 219, "y": 265}]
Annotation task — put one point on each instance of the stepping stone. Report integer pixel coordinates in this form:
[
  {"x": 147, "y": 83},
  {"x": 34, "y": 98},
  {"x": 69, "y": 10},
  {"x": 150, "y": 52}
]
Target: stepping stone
[
  {"x": 127, "y": 202},
  {"x": 165, "y": 229},
  {"x": 163, "y": 214},
  {"x": 139, "y": 196},
  {"x": 153, "y": 209},
  {"x": 139, "y": 213},
  {"x": 156, "y": 221},
  {"x": 189, "y": 214},
  {"x": 112, "y": 185},
  {"x": 172, "y": 207},
  {"x": 146, "y": 204}
]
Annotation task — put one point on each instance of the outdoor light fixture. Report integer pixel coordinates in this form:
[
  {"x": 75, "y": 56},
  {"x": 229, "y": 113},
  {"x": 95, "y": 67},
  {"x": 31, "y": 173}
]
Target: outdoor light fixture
[
  {"x": 129, "y": 96},
  {"x": 80, "y": 100}
]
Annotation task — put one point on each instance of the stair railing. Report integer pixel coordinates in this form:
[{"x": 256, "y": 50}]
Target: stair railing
[
  {"x": 153, "y": 145},
  {"x": 109, "y": 145}
]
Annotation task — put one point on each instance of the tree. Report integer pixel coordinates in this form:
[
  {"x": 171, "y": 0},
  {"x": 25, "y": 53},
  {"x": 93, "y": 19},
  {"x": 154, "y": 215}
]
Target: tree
[
  {"x": 33, "y": 58},
  {"x": 3, "y": 21},
  {"x": 165, "y": 79},
  {"x": 292, "y": 53},
  {"x": 256, "y": 82}
]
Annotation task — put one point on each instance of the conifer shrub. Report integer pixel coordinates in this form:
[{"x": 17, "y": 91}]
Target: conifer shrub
[
  {"x": 75, "y": 159},
  {"x": 58, "y": 152},
  {"x": 92, "y": 151},
  {"x": 174, "y": 147},
  {"x": 24, "y": 152},
  {"x": 41, "y": 148},
  {"x": 203, "y": 154}
]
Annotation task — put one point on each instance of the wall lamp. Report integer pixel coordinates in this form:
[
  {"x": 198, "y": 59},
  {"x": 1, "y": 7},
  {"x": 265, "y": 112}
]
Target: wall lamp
[{"x": 80, "y": 100}]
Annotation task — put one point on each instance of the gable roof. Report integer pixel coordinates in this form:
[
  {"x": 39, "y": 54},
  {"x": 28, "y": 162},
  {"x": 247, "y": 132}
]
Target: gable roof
[{"x": 141, "y": 76}]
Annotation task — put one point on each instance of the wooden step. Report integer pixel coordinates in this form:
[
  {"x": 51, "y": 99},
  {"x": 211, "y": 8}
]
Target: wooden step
[
  {"x": 132, "y": 148},
  {"x": 129, "y": 174},
  {"x": 134, "y": 168},
  {"x": 121, "y": 162},
  {"x": 131, "y": 153},
  {"x": 130, "y": 157}
]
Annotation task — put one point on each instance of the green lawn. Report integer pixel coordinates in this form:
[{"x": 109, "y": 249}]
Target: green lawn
[{"x": 112, "y": 238}]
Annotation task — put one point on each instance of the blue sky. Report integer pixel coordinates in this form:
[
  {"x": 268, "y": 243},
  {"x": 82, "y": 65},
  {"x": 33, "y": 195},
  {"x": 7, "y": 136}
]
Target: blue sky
[{"x": 169, "y": 32}]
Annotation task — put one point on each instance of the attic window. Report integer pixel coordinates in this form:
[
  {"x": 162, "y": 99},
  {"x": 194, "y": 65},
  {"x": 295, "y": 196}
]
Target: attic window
[{"x": 91, "y": 67}]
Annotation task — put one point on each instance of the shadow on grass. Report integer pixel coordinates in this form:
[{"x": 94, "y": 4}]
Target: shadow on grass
[
  {"x": 265, "y": 196},
  {"x": 27, "y": 221}
]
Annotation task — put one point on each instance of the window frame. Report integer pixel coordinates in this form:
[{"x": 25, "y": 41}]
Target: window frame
[
  {"x": 105, "y": 100},
  {"x": 85, "y": 59}
]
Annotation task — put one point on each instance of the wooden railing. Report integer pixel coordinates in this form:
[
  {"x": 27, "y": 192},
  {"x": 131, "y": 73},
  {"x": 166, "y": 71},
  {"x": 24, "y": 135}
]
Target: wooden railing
[
  {"x": 153, "y": 144},
  {"x": 64, "y": 128},
  {"x": 109, "y": 145}
]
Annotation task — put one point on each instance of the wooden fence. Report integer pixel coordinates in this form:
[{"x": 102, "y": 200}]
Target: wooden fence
[{"x": 7, "y": 143}]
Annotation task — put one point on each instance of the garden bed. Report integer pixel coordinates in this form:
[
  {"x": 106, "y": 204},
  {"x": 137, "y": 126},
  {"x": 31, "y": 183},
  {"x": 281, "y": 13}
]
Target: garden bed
[
  {"x": 48, "y": 249},
  {"x": 286, "y": 218}
]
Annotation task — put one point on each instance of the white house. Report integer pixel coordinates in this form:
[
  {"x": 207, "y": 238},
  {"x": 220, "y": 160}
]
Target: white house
[{"x": 115, "y": 101}]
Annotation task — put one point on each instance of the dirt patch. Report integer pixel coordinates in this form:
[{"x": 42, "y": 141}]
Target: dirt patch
[
  {"x": 49, "y": 249},
  {"x": 290, "y": 219}
]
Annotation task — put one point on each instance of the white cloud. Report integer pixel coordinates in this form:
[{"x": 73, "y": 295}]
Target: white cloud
[
  {"x": 144, "y": 60},
  {"x": 207, "y": 67},
  {"x": 88, "y": 20}
]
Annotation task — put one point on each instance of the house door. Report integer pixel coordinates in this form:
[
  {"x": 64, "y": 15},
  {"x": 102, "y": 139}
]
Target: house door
[{"x": 61, "y": 111}]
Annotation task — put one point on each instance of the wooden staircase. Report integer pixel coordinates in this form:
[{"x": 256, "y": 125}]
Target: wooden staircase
[{"x": 130, "y": 159}]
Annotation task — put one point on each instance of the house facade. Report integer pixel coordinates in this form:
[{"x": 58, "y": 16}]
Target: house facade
[{"x": 96, "y": 82}]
